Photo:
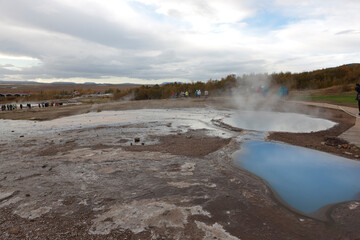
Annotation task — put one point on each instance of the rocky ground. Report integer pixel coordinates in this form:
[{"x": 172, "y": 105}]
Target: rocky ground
[{"x": 152, "y": 180}]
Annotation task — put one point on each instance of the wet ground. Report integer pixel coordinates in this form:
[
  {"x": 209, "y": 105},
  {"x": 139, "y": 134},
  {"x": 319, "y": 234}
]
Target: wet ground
[{"x": 163, "y": 176}]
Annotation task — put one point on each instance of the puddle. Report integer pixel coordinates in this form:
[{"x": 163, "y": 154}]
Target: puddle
[
  {"x": 277, "y": 122},
  {"x": 305, "y": 179}
]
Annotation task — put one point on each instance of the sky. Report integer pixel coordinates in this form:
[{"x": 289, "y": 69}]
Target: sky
[{"x": 156, "y": 41}]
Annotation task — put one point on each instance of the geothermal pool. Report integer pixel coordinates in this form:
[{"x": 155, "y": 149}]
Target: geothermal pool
[
  {"x": 192, "y": 117},
  {"x": 277, "y": 122},
  {"x": 305, "y": 179}
]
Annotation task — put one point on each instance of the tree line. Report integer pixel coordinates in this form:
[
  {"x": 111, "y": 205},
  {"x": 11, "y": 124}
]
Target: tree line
[{"x": 343, "y": 75}]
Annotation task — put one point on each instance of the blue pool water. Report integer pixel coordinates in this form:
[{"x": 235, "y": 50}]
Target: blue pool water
[{"x": 305, "y": 179}]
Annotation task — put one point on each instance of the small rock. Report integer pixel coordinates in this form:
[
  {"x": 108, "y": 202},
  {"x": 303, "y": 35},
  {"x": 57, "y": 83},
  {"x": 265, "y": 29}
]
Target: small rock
[
  {"x": 356, "y": 156},
  {"x": 22, "y": 136},
  {"x": 143, "y": 144},
  {"x": 27, "y": 195},
  {"x": 13, "y": 231},
  {"x": 346, "y": 146},
  {"x": 322, "y": 143},
  {"x": 130, "y": 144},
  {"x": 348, "y": 153},
  {"x": 12, "y": 131},
  {"x": 137, "y": 139},
  {"x": 44, "y": 166}
]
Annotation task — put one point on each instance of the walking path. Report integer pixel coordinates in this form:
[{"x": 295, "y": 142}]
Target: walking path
[{"x": 352, "y": 135}]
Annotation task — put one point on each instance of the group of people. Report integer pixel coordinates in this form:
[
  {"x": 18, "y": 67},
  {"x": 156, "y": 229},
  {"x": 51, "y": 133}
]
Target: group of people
[
  {"x": 186, "y": 94},
  {"x": 10, "y": 107}
]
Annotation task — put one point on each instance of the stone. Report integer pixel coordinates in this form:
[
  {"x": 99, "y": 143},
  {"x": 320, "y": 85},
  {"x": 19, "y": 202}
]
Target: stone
[
  {"x": 13, "y": 231},
  {"x": 346, "y": 146},
  {"x": 137, "y": 139}
]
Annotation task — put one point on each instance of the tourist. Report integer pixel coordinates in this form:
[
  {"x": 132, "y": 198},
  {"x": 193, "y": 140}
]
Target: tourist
[
  {"x": 357, "y": 89},
  {"x": 283, "y": 91}
]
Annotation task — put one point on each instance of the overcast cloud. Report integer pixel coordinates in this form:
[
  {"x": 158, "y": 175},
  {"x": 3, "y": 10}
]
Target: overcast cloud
[{"x": 154, "y": 41}]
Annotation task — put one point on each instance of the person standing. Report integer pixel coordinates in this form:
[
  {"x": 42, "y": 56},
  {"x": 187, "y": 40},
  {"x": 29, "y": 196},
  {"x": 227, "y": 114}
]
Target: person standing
[{"x": 357, "y": 89}]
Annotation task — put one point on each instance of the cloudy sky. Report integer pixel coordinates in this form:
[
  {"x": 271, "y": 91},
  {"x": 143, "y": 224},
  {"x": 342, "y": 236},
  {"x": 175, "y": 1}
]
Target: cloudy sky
[{"x": 155, "y": 41}]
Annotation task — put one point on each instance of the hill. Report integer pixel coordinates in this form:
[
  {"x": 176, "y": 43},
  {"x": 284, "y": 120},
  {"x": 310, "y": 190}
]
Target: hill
[{"x": 323, "y": 78}]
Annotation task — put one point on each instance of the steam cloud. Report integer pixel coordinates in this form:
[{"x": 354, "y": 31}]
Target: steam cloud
[{"x": 259, "y": 107}]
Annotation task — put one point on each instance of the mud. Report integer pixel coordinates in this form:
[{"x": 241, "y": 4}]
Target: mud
[{"x": 177, "y": 182}]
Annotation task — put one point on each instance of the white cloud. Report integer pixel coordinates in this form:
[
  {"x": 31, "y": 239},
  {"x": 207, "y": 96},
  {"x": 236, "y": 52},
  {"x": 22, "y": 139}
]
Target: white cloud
[{"x": 150, "y": 40}]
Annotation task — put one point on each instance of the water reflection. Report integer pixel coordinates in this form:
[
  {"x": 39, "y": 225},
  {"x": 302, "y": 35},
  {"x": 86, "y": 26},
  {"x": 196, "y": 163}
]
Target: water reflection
[{"x": 306, "y": 179}]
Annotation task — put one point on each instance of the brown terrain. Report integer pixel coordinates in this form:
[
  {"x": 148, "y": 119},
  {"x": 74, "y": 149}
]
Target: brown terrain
[
  {"x": 108, "y": 183},
  {"x": 35, "y": 88}
]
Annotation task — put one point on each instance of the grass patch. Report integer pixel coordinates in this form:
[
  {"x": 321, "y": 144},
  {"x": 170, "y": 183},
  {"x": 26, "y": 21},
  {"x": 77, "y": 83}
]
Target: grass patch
[{"x": 338, "y": 98}]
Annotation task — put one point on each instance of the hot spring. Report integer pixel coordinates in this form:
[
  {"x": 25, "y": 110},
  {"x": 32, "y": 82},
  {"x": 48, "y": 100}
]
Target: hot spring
[
  {"x": 277, "y": 122},
  {"x": 305, "y": 179}
]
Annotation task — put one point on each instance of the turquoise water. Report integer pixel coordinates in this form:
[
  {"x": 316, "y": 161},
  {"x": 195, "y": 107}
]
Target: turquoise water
[{"x": 305, "y": 179}]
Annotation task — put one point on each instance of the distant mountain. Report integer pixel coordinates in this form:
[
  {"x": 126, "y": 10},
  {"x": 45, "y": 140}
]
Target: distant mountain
[
  {"x": 63, "y": 83},
  {"x": 164, "y": 83}
]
